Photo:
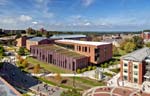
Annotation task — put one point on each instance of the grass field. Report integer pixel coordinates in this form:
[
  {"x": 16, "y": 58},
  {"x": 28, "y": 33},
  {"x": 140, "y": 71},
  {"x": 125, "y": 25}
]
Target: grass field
[
  {"x": 80, "y": 83},
  {"x": 48, "y": 67}
]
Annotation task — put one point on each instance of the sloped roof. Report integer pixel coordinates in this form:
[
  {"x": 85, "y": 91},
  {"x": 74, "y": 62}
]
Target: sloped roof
[
  {"x": 37, "y": 39},
  {"x": 138, "y": 55},
  {"x": 7, "y": 90}
]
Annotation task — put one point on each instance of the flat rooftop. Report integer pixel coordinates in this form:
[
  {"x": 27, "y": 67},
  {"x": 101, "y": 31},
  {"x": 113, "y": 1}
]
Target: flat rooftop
[
  {"x": 83, "y": 42},
  {"x": 67, "y": 36},
  {"x": 61, "y": 50}
]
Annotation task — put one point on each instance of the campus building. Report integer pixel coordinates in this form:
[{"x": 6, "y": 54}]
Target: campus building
[
  {"x": 72, "y": 36},
  {"x": 6, "y": 89},
  {"x": 36, "y": 41},
  {"x": 145, "y": 35},
  {"x": 21, "y": 42},
  {"x": 73, "y": 54},
  {"x": 97, "y": 52},
  {"x": 135, "y": 66},
  {"x": 59, "y": 56}
]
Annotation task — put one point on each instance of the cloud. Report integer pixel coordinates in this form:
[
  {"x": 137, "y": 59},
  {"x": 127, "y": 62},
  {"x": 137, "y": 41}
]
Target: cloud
[
  {"x": 34, "y": 22},
  {"x": 87, "y": 2},
  {"x": 25, "y": 18},
  {"x": 8, "y": 20}
]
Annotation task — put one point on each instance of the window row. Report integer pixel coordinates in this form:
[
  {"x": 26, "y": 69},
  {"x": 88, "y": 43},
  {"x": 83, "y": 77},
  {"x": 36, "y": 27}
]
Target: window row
[{"x": 83, "y": 49}]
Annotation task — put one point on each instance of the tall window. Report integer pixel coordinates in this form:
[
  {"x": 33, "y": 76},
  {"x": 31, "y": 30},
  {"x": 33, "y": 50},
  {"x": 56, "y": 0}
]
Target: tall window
[
  {"x": 135, "y": 80},
  {"x": 125, "y": 77},
  {"x": 125, "y": 64},
  {"x": 135, "y": 66},
  {"x": 85, "y": 49},
  {"x": 79, "y": 48}
]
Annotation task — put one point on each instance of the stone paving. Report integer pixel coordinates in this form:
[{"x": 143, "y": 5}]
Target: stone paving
[{"x": 46, "y": 90}]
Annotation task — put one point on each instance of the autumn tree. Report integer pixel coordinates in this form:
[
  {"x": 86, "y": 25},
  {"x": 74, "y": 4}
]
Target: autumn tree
[
  {"x": 58, "y": 77},
  {"x": 36, "y": 68},
  {"x": 24, "y": 63}
]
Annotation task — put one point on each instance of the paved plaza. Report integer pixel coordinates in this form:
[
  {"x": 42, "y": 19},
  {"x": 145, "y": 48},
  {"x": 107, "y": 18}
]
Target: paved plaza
[
  {"x": 46, "y": 90},
  {"x": 114, "y": 91}
]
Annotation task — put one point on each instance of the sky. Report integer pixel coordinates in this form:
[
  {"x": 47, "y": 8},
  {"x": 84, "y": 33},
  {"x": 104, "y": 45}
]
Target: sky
[{"x": 75, "y": 15}]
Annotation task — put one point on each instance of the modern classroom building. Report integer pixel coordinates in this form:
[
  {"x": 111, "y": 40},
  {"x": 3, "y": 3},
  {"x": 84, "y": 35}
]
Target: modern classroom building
[
  {"x": 97, "y": 52},
  {"x": 59, "y": 56},
  {"x": 73, "y": 54},
  {"x": 135, "y": 66},
  {"x": 36, "y": 41}
]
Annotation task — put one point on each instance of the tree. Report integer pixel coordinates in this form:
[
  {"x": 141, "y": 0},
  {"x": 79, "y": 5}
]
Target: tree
[
  {"x": 36, "y": 68},
  {"x": 18, "y": 35},
  {"x": 21, "y": 51},
  {"x": 78, "y": 70},
  {"x": 130, "y": 46},
  {"x": 89, "y": 68},
  {"x": 58, "y": 77},
  {"x": 115, "y": 51},
  {"x": 30, "y": 31},
  {"x": 24, "y": 63},
  {"x": 84, "y": 69},
  {"x": 94, "y": 67},
  {"x": 147, "y": 44},
  {"x": 138, "y": 41},
  {"x": 72, "y": 92}
]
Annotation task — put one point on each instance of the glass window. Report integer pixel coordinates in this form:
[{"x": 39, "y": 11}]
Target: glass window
[
  {"x": 125, "y": 64},
  {"x": 125, "y": 77},
  {"x": 135, "y": 73},
  {"x": 85, "y": 49},
  {"x": 125, "y": 71},
  {"x": 135, "y": 66},
  {"x": 135, "y": 80}
]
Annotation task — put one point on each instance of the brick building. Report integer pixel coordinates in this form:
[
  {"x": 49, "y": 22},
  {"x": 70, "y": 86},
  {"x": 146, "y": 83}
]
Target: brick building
[
  {"x": 21, "y": 42},
  {"x": 36, "y": 41},
  {"x": 135, "y": 66},
  {"x": 59, "y": 56},
  {"x": 98, "y": 52},
  {"x": 145, "y": 35}
]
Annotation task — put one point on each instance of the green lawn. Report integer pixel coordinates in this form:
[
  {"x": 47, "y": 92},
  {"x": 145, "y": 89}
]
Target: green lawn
[
  {"x": 89, "y": 81},
  {"x": 48, "y": 67}
]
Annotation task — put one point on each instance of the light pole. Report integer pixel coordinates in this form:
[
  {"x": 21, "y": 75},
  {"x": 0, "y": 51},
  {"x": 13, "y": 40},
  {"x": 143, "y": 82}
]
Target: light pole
[{"x": 74, "y": 79}]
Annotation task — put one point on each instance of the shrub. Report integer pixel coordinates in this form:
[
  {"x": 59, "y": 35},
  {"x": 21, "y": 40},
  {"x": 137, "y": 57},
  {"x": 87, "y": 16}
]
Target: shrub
[
  {"x": 89, "y": 68},
  {"x": 78, "y": 70},
  {"x": 84, "y": 69},
  {"x": 94, "y": 67}
]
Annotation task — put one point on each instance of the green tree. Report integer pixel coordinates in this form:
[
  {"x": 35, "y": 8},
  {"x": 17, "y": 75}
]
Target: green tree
[
  {"x": 130, "y": 46},
  {"x": 138, "y": 41},
  {"x": 18, "y": 35},
  {"x": 21, "y": 51},
  {"x": 94, "y": 67},
  {"x": 30, "y": 31},
  {"x": 147, "y": 44},
  {"x": 115, "y": 51},
  {"x": 89, "y": 68},
  {"x": 78, "y": 70}
]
